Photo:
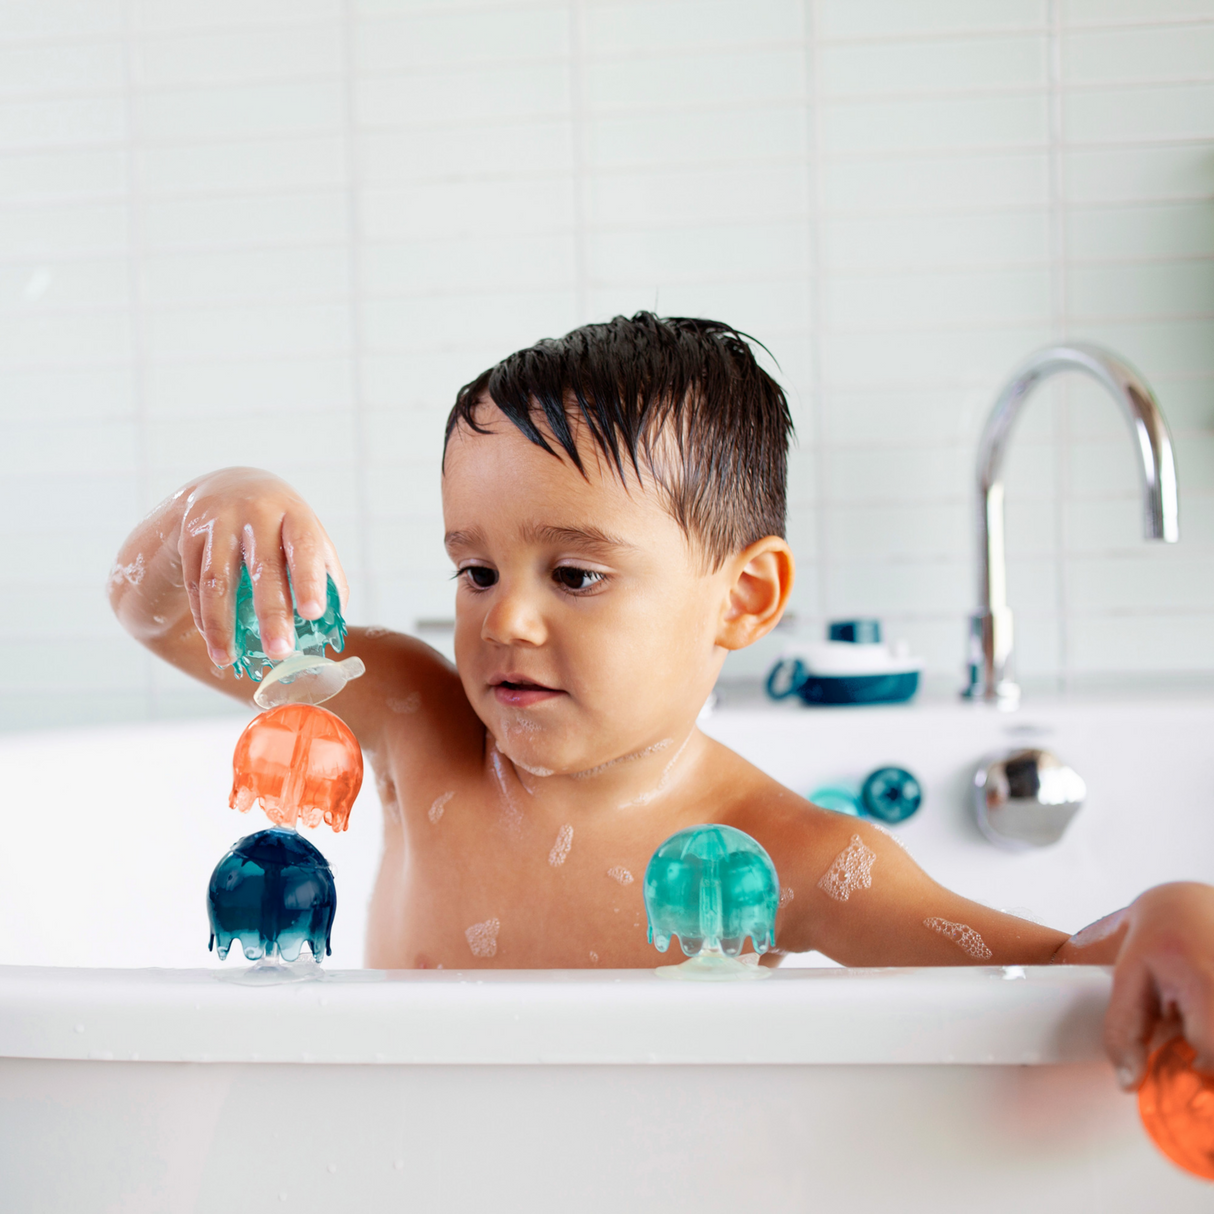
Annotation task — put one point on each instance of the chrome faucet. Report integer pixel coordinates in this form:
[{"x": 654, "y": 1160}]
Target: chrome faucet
[{"x": 990, "y": 637}]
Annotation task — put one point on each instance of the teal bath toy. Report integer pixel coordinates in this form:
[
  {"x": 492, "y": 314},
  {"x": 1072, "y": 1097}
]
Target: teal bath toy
[
  {"x": 837, "y": 797},
  {"x": 891, "y": 794},
  {"x": 306, "y": 676},
  {"x": 854, "y": 666},
  {"x": 712, "y": 886},
  {"x": 274, "y": 893}
]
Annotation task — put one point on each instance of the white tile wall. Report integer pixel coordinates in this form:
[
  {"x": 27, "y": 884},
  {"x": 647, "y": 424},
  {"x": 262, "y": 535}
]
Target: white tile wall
[{"x": 285, "y": 231}]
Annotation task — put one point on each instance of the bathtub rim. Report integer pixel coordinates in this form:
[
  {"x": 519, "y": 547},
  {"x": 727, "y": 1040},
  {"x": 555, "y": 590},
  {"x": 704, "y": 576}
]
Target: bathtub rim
[{"x": 1038, "y": 1015}]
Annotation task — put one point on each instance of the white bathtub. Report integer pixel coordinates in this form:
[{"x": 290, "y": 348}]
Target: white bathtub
[{"x": 163, "y": 1089}]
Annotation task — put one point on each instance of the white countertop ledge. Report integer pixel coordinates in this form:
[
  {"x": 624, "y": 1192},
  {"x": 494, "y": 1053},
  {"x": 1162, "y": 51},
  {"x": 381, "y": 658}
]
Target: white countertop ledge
[{"x": 993, "y": 1016}]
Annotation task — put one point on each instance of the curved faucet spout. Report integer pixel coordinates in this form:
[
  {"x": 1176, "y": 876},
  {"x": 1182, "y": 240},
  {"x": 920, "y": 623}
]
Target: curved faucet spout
[{"x": 991, "y": 625}]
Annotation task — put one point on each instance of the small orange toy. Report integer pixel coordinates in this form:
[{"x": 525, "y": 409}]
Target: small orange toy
[
  {"x": 302, "y": 763},
  {"x": 1176, "y": 1104}
]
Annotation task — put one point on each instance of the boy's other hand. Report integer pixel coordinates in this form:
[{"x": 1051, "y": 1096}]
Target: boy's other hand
[
  {"x": 244, "y": 516},
  {"x": 1163, "y": 982}
]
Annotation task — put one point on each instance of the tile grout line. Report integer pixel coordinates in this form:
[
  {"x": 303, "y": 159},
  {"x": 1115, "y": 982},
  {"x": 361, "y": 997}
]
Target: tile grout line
[
  {"x": 371, "y": 607},
  {"x": 577, "y": 135},
  {"x": 814, "y": 284},
  {"x": 1060, "y": 322},
  {"x": 136, "y": 311}
]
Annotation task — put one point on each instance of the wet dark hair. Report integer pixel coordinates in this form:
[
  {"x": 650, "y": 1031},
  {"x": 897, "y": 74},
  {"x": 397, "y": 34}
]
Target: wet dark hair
[{"x": 644, "y": 386}]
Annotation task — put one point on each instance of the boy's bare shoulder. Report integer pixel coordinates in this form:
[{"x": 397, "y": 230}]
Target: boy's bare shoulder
[
  {"x": 410, "y": 696},
  {"x": 805, "y": 842},
  {"x": 785, "y": 822}
]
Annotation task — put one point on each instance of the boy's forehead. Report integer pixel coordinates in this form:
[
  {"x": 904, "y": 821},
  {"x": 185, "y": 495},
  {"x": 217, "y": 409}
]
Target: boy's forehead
[
  {"x": 502, "y": 478},
  {"x": 474, "y": 459}
]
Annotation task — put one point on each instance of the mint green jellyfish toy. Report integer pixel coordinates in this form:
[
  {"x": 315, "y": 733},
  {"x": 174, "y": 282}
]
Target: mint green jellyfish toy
[
  {"x": 712, "y": 886},
  {"x": 305, "y": 676}
]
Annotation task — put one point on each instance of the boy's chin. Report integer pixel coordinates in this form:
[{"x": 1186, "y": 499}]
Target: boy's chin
[
  {"x": 541, "y": 755},
  {"x": 538, "y": 760}
]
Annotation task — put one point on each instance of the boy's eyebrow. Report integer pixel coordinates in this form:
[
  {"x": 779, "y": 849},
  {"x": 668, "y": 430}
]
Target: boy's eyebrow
[
  {"x": 589, "y": 537},
  {"x": 473, "y": 537}
]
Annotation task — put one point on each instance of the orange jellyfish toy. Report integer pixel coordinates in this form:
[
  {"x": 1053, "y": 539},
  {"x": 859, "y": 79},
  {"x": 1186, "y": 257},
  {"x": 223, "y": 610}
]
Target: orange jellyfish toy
[
  {"x": 1176, "y": 1103},
  {"x": 302, "y": 763}
]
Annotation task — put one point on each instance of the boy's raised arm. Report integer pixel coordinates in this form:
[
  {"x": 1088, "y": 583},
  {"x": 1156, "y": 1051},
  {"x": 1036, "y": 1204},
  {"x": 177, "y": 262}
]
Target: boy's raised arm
[{"x": 173, "y": 588}]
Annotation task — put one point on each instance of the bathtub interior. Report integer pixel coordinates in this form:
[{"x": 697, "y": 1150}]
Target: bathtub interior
[{"x": 112, "y": 832}]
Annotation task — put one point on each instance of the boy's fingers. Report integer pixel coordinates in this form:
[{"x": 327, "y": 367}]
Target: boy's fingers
[
  {"x": 338, "y": 574},
  {"x": 305, "y": 555},
  {"x": 1130, "y": 1021},
  {"x": 217, "y": 603},
  {"x": 334, "y": 570},
  {"x": 271, "y": 592},
  {"x": 1195, "y": 1002},
  {"x": 207, "y": 564}
]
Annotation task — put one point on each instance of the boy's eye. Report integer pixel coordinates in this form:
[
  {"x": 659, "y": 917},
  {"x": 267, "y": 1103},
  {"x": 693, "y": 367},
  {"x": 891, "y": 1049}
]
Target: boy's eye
[
  {"x": 572, "y": 578},
  {"x": 480, "y": 576}
]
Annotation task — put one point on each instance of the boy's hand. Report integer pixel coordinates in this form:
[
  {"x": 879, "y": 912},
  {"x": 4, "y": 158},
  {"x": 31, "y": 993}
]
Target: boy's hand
[
  {"x": 1164, "y": 979},
  {"x": 244, "y": 516}
]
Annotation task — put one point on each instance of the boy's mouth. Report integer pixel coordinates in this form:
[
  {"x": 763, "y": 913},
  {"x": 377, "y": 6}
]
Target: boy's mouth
[{"x": 518, "y": 691}]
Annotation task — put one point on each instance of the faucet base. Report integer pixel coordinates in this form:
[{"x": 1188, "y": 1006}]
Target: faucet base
[
  {"x": 990, "y": 646},
  {"x": 1005, "y": 696}
]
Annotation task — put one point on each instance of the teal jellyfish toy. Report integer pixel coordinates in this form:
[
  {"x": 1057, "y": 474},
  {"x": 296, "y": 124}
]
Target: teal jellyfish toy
[
  {"x": 305, "y": 676},
  {"x": 712, "y": 886}
]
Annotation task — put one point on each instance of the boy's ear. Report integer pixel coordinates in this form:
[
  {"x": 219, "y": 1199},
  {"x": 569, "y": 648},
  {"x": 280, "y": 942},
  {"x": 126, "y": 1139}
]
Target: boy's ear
[{"x": 761, "y": 581}]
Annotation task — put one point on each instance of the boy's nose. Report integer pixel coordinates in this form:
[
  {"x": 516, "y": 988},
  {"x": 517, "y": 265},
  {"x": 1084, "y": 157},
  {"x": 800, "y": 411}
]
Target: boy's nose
[{"x": 513, "y": 619}]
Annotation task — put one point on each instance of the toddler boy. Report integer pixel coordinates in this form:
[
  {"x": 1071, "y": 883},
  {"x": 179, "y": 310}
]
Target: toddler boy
[{"x": 614, "y": 508}]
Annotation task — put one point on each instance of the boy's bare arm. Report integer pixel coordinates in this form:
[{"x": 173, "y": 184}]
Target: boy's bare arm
[
  {"x": 174, "y": 582},
  {"x": 862, "y": 900},
  {"x": 859, "y": 897}
]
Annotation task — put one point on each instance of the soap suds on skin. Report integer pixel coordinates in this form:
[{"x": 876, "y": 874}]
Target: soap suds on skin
[
  {"x": 663, "y": 780},
  {"x": 482, "y": 938},
  {"x": 410, "y": 703},
  {"x": 621, "y": 874},
  {"x": 439, "y": 804},
  {"x": 532, "y": 771},
  {"x": 636, "y": 754},
  {"x": 132, "y": 574},
  {"x": 560, "y": 849},
  {"x": 1102, "y": 929},
  {"x": 510, "y": 810},
  {"x": 526, "y": 726},
  {"x": 965, "y": 938},
  {"x": 786, "y": 895},
  {"x": 376, "y": 631},
  {"x": 594, "y": 957},
  {"x": 889, "y": 834},
  {"x": 851, "y": 870}
]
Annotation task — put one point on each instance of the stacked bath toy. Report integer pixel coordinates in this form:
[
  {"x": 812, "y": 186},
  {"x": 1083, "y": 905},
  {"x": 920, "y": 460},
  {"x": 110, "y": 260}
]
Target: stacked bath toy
[
  {"x": 712, "y": 886},
  {"x": 305, "y": 676},
  {"x": 273, "y": 891}
]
